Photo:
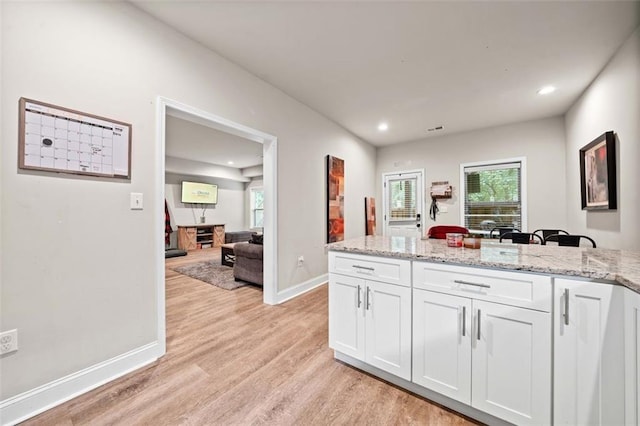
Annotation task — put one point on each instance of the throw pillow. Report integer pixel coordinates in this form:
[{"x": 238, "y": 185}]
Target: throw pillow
[{"x": 256, "y": 239}]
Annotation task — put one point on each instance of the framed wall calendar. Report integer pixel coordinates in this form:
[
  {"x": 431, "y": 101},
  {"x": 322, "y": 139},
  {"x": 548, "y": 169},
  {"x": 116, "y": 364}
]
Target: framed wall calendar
[{"x": 57, "y": 139}]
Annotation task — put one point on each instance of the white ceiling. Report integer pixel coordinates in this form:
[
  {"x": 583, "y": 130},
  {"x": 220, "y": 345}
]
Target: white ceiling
[
  {"x": 191, "y": 141},
  {"x": 416, "y": 65}
]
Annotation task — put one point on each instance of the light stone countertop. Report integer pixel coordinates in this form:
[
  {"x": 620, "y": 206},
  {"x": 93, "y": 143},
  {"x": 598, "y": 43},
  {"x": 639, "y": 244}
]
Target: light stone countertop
[{"x": 619, "y": 266}]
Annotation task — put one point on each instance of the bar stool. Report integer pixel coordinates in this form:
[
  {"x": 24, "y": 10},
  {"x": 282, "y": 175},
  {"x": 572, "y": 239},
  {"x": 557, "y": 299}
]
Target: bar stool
[
  {"x": 521, "y": 237},
  {"x": 570, "y": 240},
  {"x": 502, "y": 230},
  {"x": 548, "y": 232}
]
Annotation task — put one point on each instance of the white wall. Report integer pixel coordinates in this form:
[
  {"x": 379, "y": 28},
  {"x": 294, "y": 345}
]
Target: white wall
[
  {"x": 78, "y": 277},
  {"x": 612, "y": 102},
  {"x": 540, "y": 141},
  {"x": 229, "y": 211}
]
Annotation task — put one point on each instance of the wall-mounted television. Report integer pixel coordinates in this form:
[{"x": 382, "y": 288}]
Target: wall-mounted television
[{"x": 199, "y": 193}]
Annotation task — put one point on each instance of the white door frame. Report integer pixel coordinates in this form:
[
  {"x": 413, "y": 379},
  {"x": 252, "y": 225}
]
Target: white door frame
[
  {"x": 385, "y": 201},
  {"x": 270, "y": 144}
]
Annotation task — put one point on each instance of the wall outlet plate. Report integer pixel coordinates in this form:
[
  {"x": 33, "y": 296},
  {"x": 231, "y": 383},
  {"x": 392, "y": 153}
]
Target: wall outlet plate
[{"x": 8, "y": 341}]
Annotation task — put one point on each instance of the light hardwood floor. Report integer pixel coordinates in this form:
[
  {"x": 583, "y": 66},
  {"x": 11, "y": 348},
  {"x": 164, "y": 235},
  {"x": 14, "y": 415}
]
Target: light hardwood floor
[{"x": 232, "y": 360}]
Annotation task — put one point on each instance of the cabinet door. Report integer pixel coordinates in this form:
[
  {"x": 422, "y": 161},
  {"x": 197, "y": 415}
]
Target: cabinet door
[
  {"x": 346, "y": 315},
  {"x": 388, "y": 328},
  {"x": 588, "y": 354},
  {"x": 218, "y": 235},
  {"x": 442, "y": 344},
  {"x": 632, "y": 357},
  {"x": 512, "y": 363},
  {"x": 187, "y": 238}
]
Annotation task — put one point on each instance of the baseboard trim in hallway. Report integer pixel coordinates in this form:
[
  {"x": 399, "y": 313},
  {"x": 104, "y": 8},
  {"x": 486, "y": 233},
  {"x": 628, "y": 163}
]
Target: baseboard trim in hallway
[
  {"x": 297, "y": 290},
  {"x": 35, "y": 401}
]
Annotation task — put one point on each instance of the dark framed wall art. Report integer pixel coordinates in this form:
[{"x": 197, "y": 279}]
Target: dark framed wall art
[{"x": 598, "y": 173}]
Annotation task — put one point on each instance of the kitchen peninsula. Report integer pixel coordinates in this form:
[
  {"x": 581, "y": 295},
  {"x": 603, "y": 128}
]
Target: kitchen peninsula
[{"x": 525, "y": 334}]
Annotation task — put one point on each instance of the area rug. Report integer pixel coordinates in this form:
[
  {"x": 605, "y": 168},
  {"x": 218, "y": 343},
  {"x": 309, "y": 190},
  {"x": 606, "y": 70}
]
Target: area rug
[{"x": 212, "y": 273}]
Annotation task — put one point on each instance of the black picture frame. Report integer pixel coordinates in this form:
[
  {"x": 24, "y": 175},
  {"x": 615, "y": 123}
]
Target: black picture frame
[{"x": 598, "y": 173}]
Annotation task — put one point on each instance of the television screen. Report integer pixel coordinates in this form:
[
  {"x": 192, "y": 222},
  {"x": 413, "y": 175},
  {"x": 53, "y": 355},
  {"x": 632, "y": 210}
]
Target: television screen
[{"x": 199, "y": 193}]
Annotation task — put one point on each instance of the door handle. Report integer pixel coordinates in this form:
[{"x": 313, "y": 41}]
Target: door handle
[
  {"x": 359, "y": 299},
  {"x": 368, "y": 298},
  {"x": 479, "y": 315},
  {"x": 566, "y": 306},
  {"x": 464, "y": 321}
]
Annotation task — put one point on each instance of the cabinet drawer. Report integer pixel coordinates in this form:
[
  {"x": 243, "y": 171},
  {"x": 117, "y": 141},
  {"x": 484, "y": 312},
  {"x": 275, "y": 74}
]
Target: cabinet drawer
[
  {"x": 392, "y": 271},
  {"x": 512, "y": 288}
]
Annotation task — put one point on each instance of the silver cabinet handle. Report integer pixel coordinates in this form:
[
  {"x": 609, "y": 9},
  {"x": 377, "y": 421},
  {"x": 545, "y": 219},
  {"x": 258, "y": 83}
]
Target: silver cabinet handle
[
  {"x": 464, "y": 321},
  {"x": 368, "y": 298},
  {"x": 366, "y": 268},
  {"x": 479, "y": 315},
  {"x": 359, "y": 299},
  {"x": 470, "y": 283},
  {"x": 566, "y": 306}
]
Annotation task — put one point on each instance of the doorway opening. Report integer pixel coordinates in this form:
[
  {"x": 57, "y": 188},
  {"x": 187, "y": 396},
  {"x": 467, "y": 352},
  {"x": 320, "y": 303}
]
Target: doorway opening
[{"x": 177, "y": 109}]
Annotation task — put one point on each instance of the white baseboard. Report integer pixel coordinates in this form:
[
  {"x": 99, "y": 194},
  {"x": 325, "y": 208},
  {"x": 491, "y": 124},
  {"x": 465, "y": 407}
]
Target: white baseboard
[
  {"x": 297, "y": 290},
  {"x": 30, "y": 403}
]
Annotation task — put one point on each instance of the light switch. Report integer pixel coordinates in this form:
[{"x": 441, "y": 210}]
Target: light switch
[{"x": 136, "y": 201}]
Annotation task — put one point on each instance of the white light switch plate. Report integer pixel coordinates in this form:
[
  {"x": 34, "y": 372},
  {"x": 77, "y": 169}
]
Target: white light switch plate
[{"x": 136, "y": 201}]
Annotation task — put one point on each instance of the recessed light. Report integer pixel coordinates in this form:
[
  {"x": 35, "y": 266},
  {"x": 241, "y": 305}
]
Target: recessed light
[
  {"x": 230, "y": 162},
  {"x": 383, "y": 127},
  {"x": 546, "y": 90}
]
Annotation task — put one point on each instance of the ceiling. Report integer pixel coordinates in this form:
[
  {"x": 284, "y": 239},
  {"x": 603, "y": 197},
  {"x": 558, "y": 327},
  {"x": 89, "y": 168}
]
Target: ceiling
[
  {"x": 191, "y": 141},
  {"x": 415, "y": 65}
]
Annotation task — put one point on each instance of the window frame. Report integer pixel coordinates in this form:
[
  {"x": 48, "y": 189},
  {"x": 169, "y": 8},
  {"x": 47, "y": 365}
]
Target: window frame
[
  {"x": 252, "y": 209},
  {"x": 493, "y": 163}
]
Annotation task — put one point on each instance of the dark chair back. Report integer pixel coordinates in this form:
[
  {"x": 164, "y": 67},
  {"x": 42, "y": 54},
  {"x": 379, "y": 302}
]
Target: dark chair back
[
  {"x": 440, "y": 231},
  {"x": 547, "y": 232},
  {"x": 569, "y": 240},
  {"x": 502, "y": 230},
  {"x": 520, "y": 237}
]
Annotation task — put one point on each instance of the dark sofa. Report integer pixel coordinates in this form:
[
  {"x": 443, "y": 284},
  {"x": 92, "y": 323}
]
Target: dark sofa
[
  {"x": 238, "y": 236},
  {"x": 248, "y": 265}
]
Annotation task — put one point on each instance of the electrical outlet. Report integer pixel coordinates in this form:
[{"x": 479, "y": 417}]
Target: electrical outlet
[
  {"x": 8, "y": 341},
  {"x": 300, "y": 261}
]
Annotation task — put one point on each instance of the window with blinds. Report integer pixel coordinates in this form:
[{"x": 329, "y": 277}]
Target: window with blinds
[
  {"x": 402, "y": 199},
  {"x": 257, "y": 207},
  {"x": 493, "y": 196}
]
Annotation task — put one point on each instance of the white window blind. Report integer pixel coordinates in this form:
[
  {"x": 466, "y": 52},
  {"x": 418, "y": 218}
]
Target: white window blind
[
  {"x": 493, "y": 196},
  {"x": 402, "y": 199}
]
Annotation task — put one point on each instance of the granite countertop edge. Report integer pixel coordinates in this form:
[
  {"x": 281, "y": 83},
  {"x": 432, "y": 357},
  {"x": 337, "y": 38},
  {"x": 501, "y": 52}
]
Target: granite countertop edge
[{"x": 630, "y": 280}]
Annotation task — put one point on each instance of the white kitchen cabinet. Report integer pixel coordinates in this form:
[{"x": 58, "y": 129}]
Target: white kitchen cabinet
[
  {"x": 494, "y": 357},
  {"x": 370, "y": 320},
  {"x": 442, "y": 344},
  {"x": 632, "y": 357},
  {"x": 511, "y": 363},
  {"x": 588, "y": 353},
  {"x": 388, "y": 328},
  {"x": 346, "y": 316}
]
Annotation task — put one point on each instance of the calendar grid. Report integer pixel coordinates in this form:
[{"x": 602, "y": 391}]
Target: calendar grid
[{"x": 63, "y": 140}]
